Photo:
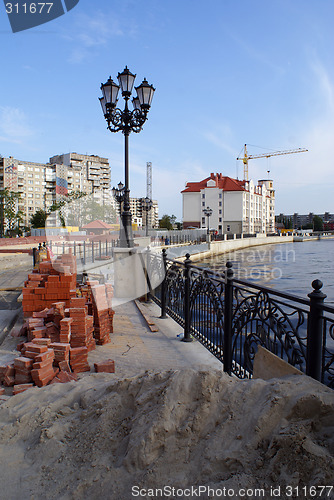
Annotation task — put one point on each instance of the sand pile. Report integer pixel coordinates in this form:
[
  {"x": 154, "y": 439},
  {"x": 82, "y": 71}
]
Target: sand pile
[{"x": 99, "y": 437}]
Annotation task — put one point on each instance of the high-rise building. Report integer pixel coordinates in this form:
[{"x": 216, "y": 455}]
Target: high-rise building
[
  {"x": 42, "y": 184},
  {"x": 29, "y": 179},
  {"x": 89, "y": 174},
  {"x": 139, "y": 214}
]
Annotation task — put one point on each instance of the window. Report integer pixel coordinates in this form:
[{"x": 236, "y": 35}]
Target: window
[
  {"x": 220, "y": 195},
  {"x": 220, "y": 212},
  {"x": 203, "y": 220},
  {"x": 203, "y": 203},
  {"x": 220, "y": 203},
  {"x": 228, "y": 228},
  {"x": 203, "y": 195},
  {"x": 220, "y": 219}
]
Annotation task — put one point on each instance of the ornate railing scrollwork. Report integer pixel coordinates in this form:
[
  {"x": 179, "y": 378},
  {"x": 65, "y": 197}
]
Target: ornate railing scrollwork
[
  {"x": 259, "y": 319},
  {"x": 258, "y": 316}
]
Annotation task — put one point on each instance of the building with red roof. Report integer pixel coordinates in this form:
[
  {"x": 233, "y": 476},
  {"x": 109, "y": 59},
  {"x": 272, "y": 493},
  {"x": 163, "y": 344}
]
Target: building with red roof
[
  {"x": 237, "y": 206},
  {"x": 98, "y": 227}
]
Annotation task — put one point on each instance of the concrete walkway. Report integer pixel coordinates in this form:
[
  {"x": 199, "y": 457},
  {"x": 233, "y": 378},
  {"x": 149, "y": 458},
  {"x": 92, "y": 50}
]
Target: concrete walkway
[{"x": 135, "y": 349}]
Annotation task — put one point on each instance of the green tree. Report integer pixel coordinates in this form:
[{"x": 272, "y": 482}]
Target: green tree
[
  {"x": 86, "y": 210},
  {"x": 62, "y": 206},
  {"x": 10, "y": 216},
  {"x": 318, "y": 224},
  {"x": 38, "y": 219},
  {"x": 167, "y": 221}
]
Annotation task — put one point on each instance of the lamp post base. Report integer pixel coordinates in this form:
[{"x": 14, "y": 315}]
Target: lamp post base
[{"x": 126, "y": 236}]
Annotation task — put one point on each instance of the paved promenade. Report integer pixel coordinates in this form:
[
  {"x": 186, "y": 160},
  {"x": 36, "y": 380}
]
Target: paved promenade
[{"x": 134, "y": 347}]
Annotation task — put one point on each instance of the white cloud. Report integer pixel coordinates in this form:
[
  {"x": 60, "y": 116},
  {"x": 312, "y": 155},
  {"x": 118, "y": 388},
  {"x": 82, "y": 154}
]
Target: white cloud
[
  {"x": 14, "y": 126},
  {"x": 221, "y": 137},
  {"x": 89, "y": 32}
]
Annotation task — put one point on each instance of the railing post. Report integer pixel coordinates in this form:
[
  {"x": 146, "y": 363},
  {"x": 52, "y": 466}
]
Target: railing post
[
  {"x": 100, "y": 249},
  {"x": 315, "y": 332},
  {"x": 74, "y": 248},
  {"x": 34, "y": 256},
  {"x": 148, "y": 272},
  {"x": 93, "y": 260},
  {"x": 228, "y": 311},
  {"x": 84, "y": 252},
  {"x": 187, "y": 317},
  {"x": 163, "y": 285}
]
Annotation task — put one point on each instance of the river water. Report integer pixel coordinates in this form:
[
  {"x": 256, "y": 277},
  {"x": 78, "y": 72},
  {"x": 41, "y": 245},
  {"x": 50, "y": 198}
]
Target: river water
[{"x": 287, "y": 267}]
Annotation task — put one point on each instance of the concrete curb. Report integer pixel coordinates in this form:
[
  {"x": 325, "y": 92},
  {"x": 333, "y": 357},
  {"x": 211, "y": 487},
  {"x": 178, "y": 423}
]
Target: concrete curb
[{"x": 6, "y": 331}]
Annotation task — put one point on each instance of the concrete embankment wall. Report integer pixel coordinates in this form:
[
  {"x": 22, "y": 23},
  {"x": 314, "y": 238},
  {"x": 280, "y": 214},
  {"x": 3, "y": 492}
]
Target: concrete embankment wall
[{"x": 221, "y": 247}]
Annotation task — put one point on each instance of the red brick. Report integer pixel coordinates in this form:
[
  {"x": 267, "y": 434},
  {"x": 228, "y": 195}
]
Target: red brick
[
  {"x": 33, "y": 347},
  {"x": 107, "y": 366},
  {"x": 46, "y": 355},
  {"x": 43, "y": 341},
  {"x": 22, "y": 362},
  {"x": 64, "y": 366},
  {"x": 17, "y": 389}
]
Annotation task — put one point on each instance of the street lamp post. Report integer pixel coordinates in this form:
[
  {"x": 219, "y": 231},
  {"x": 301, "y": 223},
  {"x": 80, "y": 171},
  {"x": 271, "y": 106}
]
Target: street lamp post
[
  {"x": 208, "y": 212},
  {"x": 146, "y": 204},
  {"x": 126, "y": 121},
  {"x": 118, "y": 194}
]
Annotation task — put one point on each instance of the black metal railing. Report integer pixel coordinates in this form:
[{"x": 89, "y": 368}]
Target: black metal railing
[
  {"x": 85, "y": 251},
  {"x": 231, "y": 317}
]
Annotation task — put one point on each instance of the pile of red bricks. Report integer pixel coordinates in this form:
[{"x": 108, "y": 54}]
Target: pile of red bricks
[
  {"x": 79, "y": 359},
  {"x": 55, "y": 281},
  {"x": 102, "y": 313},
  {"x": 61, "y": 327},
  {"x": 42, "y": 357}
]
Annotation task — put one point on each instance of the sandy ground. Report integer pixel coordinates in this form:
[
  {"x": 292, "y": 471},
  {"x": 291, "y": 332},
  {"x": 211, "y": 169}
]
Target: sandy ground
[{"x": 101, "y": 437}]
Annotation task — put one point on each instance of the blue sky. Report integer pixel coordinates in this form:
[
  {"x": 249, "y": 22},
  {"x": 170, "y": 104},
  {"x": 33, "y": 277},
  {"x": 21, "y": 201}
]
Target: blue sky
[{"x": 226, "y": 72}]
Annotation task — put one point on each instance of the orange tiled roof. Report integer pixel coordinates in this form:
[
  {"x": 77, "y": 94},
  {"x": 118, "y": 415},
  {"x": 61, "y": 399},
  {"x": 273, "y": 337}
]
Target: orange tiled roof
[
  {"x": 221, "y": 181},
  {"x": 97, "y": 224}
]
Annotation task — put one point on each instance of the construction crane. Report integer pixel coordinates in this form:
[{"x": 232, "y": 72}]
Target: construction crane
[
  {"x": 149, "y": 180},
  {"x": 247, "y": 157}
]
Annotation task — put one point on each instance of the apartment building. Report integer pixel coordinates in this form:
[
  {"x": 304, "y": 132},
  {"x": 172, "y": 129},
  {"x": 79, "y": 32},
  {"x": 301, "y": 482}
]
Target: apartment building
[
  {"x": 28, "y": 179},
  {"x": 237, "y": 206},
  {"x": 139, "y": 214},
  {"x": 137, "y": 210},
  {"x": 300, "y": 220},
  {"x": 86, "y": 173},
  {"x": 42, "y": 184}
]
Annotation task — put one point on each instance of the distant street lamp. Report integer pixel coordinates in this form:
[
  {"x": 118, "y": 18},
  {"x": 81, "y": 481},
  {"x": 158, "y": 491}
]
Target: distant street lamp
[
  {"x": 126, "y": 121},
  {"x": 208, "y": 212},
  {"x": 118, "y": 194},
  {"x": 146, "y": 204}
]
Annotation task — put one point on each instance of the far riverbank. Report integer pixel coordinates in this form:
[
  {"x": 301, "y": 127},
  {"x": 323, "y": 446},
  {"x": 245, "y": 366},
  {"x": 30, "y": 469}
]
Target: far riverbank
[{"x": 227, "y": 246}]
